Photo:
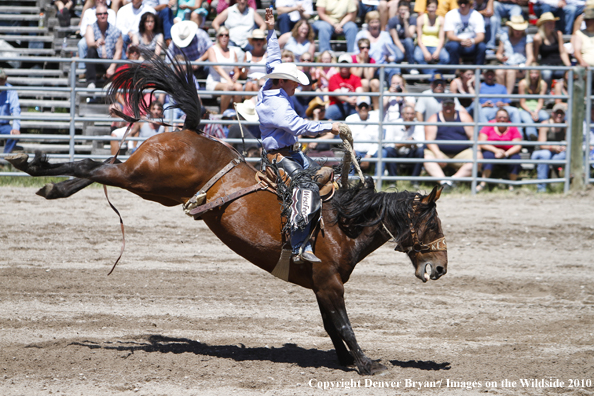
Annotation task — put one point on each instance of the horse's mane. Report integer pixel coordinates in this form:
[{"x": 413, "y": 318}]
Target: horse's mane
[
  {"x": 163, "y": 75},
  {"x": 361, "y": 207}
]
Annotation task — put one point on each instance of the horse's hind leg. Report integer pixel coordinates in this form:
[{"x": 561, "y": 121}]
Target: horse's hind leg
[
  {"x": 66, "y": 188},
  {"x": 41, "y": 167}
]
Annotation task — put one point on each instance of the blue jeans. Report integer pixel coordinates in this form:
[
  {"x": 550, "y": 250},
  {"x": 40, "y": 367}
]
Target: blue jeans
[
  {"x": 325, "y": 31},
  {"x": 444, "y": 58},
  {"x": 455, "y": 49},
  {"x": 549, "y": 75},
  {"x": 531, "y": 133},
  {"x": 339, "y": 111},
  {"x": 284, "y": 23},
  {"x": 82, "y": 51},
  {"x": 166, "y": 17},
  {"x": 542, "y": 170},
  {"x": 399, "y": 56},
  {"x": 10, "y": 143},
  {"x": 513, "y": 169},
  {"x": 486, "y": 114},
  {"x": 501, "y": 10}
]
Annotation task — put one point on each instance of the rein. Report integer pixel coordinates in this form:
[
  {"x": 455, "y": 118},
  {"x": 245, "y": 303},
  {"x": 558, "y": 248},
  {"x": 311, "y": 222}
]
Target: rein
[{"x": 437, "y": 245}]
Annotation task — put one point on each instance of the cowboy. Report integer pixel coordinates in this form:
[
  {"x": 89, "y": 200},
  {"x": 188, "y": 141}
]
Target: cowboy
[{"x": 280, "y": 126}]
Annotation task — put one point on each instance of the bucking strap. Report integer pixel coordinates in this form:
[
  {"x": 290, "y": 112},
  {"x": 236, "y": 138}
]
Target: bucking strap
[{"x": 220, "y": 201}]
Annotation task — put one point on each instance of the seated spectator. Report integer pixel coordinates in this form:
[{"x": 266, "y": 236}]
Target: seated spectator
[
  {"x": 550, "y": 152},
  {"x": 190, "y": 10},
  {"x": 239, "y": 19},
  {"x": 368, "y": 81},
  {"x": 316, "y": 110},
  {"x": 89, "y": 17},
  {"x": 139, "y": 129},
  {"x": 394, "y": 104},
  {"x": 532, "y": 110},
  {"x": 223, "y": 78},
  {"x": 104, "y": 41},
  {"x": 164, "y": 12},
  {"x": 405, "y": 150},
  {"x": 490, "y": 106},
  {"x": 431, "y": 39},
  {"x": 514, "y": 49},
  {"x": 443, "y": 6},
  {"x": 548, "y": 46},
  {"x": 566, "y": 12},
  {"x": 246, "y": 111},
  {"x": 257, "y": 56},
  {"x": 464, "y": 84},
  {"x": 189, "y": 40},
  {"x": 65, "y": 11},
  {"x": 290, "y": 12},
  {"x": 322, "y": 74},
  {"x": 509, "y": 9},
  {"x": 379, "y": 41},
  {"x": 465, "y": 30},
  {"x": 428, "y": 105},
  {"x": 583, "y": 41},
  {"x": 369, "y": 132},
  {"x": 381, "y": 6},
  {"x": 336, "y": 17},
  {"x": 402, "y": 28},
  {"x": 342, "y": 106},
  {"x": 299, "y": 40},
  {"x": 500, "y": 151},
  {"x": 449, "y": 151},
  {"x": 222, "y": 5},
  {"x": 149, "y": 36},
  {"x": 307, "y": 57},
  {"x": 128, "y": 19},
  {"x": 9, "y": 106}
]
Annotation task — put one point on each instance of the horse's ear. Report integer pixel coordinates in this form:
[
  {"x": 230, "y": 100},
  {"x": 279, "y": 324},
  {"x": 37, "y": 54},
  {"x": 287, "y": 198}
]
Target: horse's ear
[{"x": 433, "y": 196}]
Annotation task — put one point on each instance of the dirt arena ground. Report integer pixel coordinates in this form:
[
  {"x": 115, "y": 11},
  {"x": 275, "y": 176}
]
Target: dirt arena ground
[{"x": 183, "y": 315}]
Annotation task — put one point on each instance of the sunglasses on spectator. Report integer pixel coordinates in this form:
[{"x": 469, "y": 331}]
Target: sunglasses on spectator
[
  {"x": 306, "y": 60},
  {"x": 223, "y": 35},
  {"x": 101, "y": 13},
  {"x": 362, "y": 48}
]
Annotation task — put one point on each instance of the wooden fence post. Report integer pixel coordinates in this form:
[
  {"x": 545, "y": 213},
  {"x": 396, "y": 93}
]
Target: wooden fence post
[{"x": 577, "y": 135}]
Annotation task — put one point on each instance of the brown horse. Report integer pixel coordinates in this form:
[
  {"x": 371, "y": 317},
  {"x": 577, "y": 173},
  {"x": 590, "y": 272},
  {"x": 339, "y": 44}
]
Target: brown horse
[{"x": 170, "y": 168}]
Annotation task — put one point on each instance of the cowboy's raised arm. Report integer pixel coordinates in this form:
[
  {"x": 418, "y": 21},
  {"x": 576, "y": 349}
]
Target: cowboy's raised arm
[{"x": 272, "y": 49}]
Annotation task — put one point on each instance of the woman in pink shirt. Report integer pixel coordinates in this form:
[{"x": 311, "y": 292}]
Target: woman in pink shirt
[{"x": 500, "y": 151}]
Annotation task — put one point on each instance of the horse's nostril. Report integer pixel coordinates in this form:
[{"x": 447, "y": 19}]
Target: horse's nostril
[{"x": 440, "y": 270}]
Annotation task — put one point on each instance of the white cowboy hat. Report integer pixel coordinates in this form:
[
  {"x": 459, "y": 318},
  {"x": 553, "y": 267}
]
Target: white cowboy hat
[
  {"x": 247, "y": 109},
  {"x": 257, "y": 34},
  {"x": 547, "y": 16},
  {"x": 288, "y": 71},
  {"x": 183, "y": 32}
]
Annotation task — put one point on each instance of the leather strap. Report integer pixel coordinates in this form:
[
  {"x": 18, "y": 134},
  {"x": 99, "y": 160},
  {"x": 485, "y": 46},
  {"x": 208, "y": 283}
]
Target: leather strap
[{"x": 198, "y": 211}]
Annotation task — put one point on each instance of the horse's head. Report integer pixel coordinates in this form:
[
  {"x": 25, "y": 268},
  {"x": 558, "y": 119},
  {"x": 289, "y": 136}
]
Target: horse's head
[{"x": 424, "y": 243}]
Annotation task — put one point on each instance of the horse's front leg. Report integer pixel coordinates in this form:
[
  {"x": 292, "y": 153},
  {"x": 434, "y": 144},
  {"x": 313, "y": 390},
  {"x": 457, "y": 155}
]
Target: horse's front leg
[
  {"x": 344, "y": 357},
  {"x": 331, "y": 300}
]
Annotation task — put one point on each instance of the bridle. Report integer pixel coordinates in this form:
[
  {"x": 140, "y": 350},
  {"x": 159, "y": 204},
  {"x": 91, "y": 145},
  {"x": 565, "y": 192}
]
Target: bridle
[{"x": 438, "y": 245}]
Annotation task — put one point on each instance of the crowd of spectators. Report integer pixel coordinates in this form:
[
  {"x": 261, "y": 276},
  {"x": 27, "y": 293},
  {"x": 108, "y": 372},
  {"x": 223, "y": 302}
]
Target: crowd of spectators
[{"x": 389, "y": 32}]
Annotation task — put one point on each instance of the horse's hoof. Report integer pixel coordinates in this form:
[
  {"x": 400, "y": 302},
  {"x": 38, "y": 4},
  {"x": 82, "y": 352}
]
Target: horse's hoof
[
  {"x": 18, "y": 160},
  {"x": 377, "y": 368},
  {"x": 372, "y": 368},
  {"x": 46, "y": 191}
]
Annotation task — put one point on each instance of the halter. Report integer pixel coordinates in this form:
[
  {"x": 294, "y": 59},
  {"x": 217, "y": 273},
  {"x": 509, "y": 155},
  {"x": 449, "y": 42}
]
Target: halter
[{"x": 438, "y": 245}]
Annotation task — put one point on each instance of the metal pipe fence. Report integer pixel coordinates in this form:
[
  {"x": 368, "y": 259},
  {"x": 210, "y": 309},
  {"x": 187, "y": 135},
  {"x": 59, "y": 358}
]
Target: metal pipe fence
[{"x": 75, "y": 120}]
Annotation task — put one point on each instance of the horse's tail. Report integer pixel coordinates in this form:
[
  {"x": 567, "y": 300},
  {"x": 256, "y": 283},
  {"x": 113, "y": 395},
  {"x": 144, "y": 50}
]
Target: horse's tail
[{"x": 170, "y": 75}]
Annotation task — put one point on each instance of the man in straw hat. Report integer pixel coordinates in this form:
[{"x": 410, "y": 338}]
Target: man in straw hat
[
  {"x": 189, "y": 40},
  {"x": 281, "y": 126}
]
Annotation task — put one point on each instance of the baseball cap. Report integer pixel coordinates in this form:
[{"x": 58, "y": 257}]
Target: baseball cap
[
  {"x": 448, "y": 101},
  {"x": 229, "y": 113},
  {"x": 363, "y": 100},
  {"x": 346, "y": 58},
  {"x": 559, "y": 107},
  {"x": 437, "y": 77}
]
